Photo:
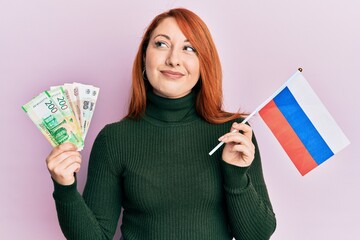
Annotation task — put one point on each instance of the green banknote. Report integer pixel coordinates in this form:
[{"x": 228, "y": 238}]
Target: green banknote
[
  {"x": 41, "y": 127},
  {"x": 58, "y": 96},
  {"x": 54, "y": 124}
]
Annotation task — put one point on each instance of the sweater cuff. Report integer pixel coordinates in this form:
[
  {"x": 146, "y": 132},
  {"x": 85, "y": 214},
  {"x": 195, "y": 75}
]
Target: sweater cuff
[
  {"x": 235, "y": 177},
  {"x": 67, "y": 193}
]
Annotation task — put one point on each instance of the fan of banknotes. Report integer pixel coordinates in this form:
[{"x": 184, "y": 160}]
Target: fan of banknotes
[{"x": 63, "y": 113}]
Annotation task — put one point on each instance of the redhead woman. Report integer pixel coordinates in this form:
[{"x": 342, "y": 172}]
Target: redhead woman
[{"x": 154, "y": 163}]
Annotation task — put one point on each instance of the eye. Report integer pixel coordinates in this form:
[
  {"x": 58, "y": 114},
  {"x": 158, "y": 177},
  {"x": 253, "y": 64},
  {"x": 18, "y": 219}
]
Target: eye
[
  {"x": 189, "y": 49},
  {"x": 160, "y": 44}
]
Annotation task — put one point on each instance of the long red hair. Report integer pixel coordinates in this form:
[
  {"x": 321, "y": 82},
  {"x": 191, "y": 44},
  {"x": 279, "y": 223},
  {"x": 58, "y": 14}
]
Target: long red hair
[{"x": 209, "y": 99}]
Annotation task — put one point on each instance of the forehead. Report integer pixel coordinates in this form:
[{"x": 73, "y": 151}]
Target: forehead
[{"x": 169, "y": 27}]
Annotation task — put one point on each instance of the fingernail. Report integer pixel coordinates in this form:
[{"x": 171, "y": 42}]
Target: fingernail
[{"x": 221, "y": 138}]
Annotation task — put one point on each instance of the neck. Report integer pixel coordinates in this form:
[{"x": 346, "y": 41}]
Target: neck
[{"x": 167, "y": 110}]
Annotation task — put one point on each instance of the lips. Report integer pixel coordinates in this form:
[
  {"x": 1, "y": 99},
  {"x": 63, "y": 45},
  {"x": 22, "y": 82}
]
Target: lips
[{"x": 172, "y": 74}]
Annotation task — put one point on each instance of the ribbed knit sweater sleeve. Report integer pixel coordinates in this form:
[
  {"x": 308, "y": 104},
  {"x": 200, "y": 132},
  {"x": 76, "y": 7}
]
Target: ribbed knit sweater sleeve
[
  {"x": 249, "y": 209},
  {"x": 95, "y": 214}
]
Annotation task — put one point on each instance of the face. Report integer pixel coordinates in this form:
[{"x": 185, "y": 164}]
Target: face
[{"x": 172, "y": 64}]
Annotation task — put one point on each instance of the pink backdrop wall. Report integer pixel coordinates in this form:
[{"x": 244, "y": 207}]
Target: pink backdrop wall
[{"x": 261, "y": 43}]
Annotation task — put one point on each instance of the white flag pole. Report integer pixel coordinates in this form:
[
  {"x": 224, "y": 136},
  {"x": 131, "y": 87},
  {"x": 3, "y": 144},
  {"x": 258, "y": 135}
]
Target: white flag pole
[{"x": 259, "y": 107}]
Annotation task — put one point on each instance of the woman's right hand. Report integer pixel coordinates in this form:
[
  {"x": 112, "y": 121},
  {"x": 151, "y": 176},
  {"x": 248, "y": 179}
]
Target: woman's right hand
[{"x": 62, "y": 162}]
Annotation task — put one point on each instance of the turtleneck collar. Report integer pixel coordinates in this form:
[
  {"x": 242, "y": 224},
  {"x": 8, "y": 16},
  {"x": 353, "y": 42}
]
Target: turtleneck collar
[{"x": 168, "y": 110}]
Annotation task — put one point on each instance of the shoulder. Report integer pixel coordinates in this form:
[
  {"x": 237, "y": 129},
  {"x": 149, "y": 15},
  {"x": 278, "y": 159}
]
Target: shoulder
[
  {"x": 121, "y": 125},
  {"x": 120, "y": 130},
  {"x": 115, "y": 135}
]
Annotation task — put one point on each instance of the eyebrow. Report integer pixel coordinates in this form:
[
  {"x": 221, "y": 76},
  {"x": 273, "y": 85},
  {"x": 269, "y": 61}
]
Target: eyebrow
[{"x": 167, "y": 37}]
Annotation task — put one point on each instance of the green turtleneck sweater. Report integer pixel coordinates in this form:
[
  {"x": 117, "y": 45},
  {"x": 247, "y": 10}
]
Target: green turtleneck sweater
[{"x": 159, "y": 171}]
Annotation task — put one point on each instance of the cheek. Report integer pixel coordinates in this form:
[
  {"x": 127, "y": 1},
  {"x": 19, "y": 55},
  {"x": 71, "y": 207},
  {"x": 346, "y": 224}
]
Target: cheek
[
  {"x": 149, "y": 59},
  {"x": 152, "y": 62},
  {"x": 194, "y": 74},
  {"x": 151, "y": 70},
  {"x": 149, "y": 66},
  {"x": 195, "y": 68},
  {"x": 148, "y": 62}
]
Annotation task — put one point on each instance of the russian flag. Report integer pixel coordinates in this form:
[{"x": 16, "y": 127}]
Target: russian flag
[{"x": 302, "y": 124}]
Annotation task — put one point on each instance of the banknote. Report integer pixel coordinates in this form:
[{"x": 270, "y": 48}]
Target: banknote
[
  {"x": 32, "y": 115},
  {"x": 58, "y": 97},
  {"x": 51, "y": 122},
  {"x": 72, "y": 96},
  {"x": 87, "y": 97},
  {"x": 64, "y": 113},
  {"x": 94, "y": 96}
]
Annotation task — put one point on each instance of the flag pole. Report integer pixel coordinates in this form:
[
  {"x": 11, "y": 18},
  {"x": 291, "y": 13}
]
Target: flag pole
[{"x": 258, "y": 108}]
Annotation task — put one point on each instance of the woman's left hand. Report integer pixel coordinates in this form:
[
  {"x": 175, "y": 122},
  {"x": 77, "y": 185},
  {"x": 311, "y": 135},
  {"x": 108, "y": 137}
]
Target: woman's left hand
[{"x": 239, "y": 149}]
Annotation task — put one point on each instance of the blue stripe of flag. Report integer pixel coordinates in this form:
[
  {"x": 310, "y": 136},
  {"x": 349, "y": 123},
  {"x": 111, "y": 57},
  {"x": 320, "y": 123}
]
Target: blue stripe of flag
[{"x": 302, "y": 126}]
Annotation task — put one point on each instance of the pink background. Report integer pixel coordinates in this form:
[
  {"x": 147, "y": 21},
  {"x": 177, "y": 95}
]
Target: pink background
[{"x": 261, "y": 44}]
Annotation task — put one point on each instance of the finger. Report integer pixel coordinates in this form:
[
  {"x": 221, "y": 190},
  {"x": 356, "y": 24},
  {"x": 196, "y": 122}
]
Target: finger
[
  {"x": 64, "y": 159},
  {"x": 60, "y": 149},
  {"x": 247, "y": 157},
  {"x": 67, "y": 155},
  {"x": 55, "y": 160},
  {"x": 237, "y": 138},
  {"x": 66, "y": 176},
  {"x": 247, "y": 146},
  {"x": 64, "y": 169},
  {"x": 247, "y": 152},
  {"x": 233, "y": 137},
  {"x": 244, "y": 128},
  {"x": 75, "y": 167}
]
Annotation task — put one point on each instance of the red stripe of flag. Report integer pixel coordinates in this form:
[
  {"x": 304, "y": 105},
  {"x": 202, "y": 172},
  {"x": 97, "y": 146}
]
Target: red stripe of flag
[{"x": 287, "y": 137}]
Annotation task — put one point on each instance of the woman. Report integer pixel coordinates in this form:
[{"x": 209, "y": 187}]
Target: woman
[{"x": 155, "y": 164}]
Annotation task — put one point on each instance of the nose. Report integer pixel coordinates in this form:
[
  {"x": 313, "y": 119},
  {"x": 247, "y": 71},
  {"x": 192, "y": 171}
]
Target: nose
[{"x": 173, "y": 58}]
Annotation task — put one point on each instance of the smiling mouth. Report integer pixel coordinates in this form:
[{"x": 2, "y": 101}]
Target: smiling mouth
[{"x": 172, "y": 74}]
